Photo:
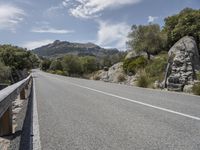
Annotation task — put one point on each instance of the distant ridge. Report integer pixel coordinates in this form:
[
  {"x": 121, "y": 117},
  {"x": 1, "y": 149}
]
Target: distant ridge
[{"x": 60, "y": 48}]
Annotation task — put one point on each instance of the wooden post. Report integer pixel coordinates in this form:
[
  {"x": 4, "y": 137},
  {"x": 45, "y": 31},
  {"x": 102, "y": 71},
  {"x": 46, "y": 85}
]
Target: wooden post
[
  {"x": 23, "y": 94},
  {"x": 6, "y": 125}
]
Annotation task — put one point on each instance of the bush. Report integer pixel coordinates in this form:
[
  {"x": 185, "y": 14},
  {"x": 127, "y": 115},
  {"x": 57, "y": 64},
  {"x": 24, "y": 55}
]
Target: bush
[
  {"x": 132, "y": 65},
  {"x": 59, "y": 72},
  {"x": 198, "y": 76},
  {"x": 121, "y": 78},
  {"x": 143, "y": 80},
  {"x": 196, "y": 89},
  {"x": 5, "y": 73},
  {"x": 157, "y": 67}
]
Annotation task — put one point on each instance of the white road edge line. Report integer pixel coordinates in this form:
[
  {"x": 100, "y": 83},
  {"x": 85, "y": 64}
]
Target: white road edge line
[
  {"x": 134, "y": 101},
  {"x": 36, "y": 131}
]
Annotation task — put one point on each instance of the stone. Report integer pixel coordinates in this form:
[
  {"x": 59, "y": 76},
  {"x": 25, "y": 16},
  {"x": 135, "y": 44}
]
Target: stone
[
  {"x": 131, "y": 55},
  {"x": 183, "y": 60},
  {"x": 188, "y": 88}
]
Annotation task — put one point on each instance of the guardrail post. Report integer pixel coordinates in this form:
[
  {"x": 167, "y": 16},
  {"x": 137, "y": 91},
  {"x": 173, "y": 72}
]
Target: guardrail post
[
  {"x": 23, "y": 94},
  {"x": 6, "y": 125}
]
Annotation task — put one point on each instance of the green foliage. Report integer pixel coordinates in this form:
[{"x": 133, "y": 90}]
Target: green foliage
[
  {"x": 157, "y": 66},
  {"x": 89, "y": 63},
  {"x": 18, "y": 60},
  {"x": 132, "y": 65},
  {"x": 143, "y": 79},
  {"x": 55, "y": 65},
  {"x": 5, "y": 73},
  {"x": 198, "y": 76},
  {"x": 72, "y": 64},
  {"x": 196, "y": 89},
  {"x": 187, "y": 22},
  {"x": 146, "y": 38},
  {"x": 45, "y": 64}
]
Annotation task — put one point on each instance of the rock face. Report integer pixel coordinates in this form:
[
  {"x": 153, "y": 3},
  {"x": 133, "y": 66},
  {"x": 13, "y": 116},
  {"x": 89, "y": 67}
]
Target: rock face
[{"x": 183, "y": 61}]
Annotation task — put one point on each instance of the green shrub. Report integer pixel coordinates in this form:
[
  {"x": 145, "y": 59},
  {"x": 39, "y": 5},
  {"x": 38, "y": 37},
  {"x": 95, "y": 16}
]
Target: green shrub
[
  {"x": 143, "y": 80},
  {"x": 60, "y": 72},
  {"x": 198, "y": 76},
  {"x": 5, "y": 73},
  {"x": 196, "y": 89},
  {"x": 156, "y": 67},
  {"x": 132, "y": 65}
]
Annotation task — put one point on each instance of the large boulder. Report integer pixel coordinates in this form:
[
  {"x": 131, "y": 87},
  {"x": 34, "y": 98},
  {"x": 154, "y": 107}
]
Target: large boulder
[
  {"x": 183, "y": 61},
  {"x": 114, "y": 74}
]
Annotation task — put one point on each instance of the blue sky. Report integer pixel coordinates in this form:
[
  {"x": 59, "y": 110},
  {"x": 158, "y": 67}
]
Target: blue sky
[{"x": 32, "y": 23}]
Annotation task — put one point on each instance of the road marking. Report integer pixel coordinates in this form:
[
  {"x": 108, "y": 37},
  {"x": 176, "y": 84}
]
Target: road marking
[
  {"x": 36, "y": 130},
  {"x": 131, "y": 100}
]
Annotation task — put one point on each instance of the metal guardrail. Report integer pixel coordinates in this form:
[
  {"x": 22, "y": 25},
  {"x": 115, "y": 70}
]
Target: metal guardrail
[{"x": 7, "y": 96}]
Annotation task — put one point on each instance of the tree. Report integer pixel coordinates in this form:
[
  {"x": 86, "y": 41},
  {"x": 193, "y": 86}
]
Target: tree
[
  {"x": 89, "y": 63},
  {"x": 19, "y": 60},
  {"x": 187, "y": 22},
  {"x": 146, "y": 38},
  {"x": 72, "y": 65},
  {"x": 45, "y": 64},
  {"x": 5, "y": 73},
  {"x": 56, "y": 65}
]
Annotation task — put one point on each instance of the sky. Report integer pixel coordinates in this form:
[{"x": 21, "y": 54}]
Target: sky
[{"x": 33, "y": 23}]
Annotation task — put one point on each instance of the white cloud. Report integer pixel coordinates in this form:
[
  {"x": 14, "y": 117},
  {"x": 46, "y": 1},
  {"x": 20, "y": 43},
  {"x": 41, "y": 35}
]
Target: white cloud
[
  {"x": 10, "y": 17},
  {"x": 152, "y": 19},
  {"x": 112, "y": 35},
  {"x": 65, "y": 3},
  {"x": 35, "y": 44},
  {"x": 51, "y": 30},
  {"x": 91, "y": 8}
]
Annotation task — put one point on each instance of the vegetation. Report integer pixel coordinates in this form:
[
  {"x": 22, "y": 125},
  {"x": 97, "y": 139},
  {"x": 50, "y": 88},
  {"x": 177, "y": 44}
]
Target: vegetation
[
  {"x": 146, "y": 38},
  {"x": 133, "y": 65},
  {"x": 15, "y": 62},
  {"x": 71, "y": 65},
  {"x": 143, "y": 79},
  {"x": 187, "y": 22},
  {"x": 5, "y": 73},
  {"x": 196, "y": 89},
  {"x": 157, "y": 66}
]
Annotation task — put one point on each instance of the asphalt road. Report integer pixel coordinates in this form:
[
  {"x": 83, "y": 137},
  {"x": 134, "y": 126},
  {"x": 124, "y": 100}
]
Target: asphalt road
[{"x": 78, "y": 114}]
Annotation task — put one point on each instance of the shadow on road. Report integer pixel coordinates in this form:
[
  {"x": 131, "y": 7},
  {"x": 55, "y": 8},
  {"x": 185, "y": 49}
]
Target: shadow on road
[{"x": 26, "y": 135}]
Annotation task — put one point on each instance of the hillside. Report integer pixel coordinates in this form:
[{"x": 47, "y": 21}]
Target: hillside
[{"x": 59, "y": 48}]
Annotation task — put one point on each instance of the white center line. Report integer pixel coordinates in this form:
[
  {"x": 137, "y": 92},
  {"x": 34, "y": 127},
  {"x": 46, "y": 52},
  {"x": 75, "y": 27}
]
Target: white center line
[{"x": 131, "y": 100}]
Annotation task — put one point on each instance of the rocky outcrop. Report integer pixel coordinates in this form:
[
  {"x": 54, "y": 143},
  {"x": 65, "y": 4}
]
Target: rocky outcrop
[
  {"x": 114, "y": 74},
  {"x": 183, "y": 61}
]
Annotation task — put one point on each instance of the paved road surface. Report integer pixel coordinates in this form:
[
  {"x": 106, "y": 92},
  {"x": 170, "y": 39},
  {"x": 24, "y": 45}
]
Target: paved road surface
[{"x": 77, "y": 114}]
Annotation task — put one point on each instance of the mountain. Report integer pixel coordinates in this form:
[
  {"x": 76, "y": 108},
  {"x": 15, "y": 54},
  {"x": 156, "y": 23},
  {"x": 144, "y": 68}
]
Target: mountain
[{"x": 60, "y": 48}]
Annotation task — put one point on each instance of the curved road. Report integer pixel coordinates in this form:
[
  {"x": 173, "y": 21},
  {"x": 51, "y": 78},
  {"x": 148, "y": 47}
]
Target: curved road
[{"x": 78, "y": 114}]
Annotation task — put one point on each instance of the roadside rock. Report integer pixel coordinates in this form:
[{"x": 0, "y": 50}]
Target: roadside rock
[
  {"x": 188, "y": 88},
  {"x": 131, "y": 54},
  {"x": 183, "y": 61}
]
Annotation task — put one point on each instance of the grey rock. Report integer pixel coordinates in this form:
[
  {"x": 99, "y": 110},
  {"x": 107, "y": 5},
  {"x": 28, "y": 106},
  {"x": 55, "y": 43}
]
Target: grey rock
[
  {"x": 183, "y": 61},
  {"x": 188, "y": 88},
  {"x": 131, "y": 54}
]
